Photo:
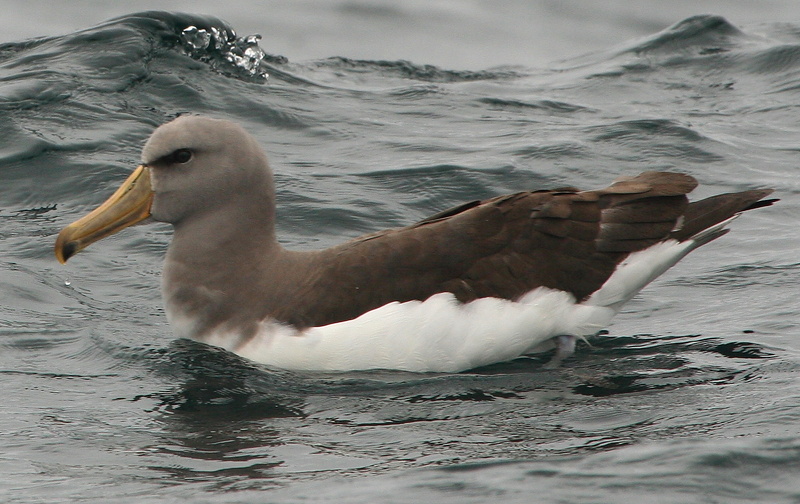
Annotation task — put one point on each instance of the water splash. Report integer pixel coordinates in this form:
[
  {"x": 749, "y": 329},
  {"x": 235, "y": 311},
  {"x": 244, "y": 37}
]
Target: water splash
[
  {"x": 212, "y": 44},
  {"x": 196, "y": 39}
]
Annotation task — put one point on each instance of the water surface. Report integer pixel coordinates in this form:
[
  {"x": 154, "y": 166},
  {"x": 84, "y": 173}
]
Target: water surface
[{"x": 692, "y": 396}]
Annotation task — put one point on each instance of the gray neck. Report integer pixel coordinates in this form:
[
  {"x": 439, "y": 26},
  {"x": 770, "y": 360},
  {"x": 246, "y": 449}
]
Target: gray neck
[{"x": 217, "y": 268}]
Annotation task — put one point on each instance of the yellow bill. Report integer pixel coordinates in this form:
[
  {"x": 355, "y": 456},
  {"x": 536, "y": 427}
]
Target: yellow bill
[{"x": 127, "y": 206}]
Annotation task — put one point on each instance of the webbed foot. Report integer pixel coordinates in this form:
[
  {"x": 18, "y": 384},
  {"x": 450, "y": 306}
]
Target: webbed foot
[{"x": 565, "y": 347}]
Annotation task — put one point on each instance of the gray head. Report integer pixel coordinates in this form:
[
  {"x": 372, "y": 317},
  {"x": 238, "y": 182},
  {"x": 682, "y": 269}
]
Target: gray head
[
  {"x": 194, "y": 169},
  {"x": 198, "y": 165}
]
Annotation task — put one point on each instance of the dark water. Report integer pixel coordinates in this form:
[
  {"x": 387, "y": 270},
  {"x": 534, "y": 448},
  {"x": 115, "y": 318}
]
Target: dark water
[{"x": 692, "y": 396}]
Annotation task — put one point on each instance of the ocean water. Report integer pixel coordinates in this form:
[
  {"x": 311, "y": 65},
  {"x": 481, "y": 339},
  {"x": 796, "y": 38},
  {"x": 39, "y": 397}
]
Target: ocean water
[{"x": 693, "y": 395}]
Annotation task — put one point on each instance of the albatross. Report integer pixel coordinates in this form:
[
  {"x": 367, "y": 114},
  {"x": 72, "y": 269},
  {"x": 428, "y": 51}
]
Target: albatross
[{"x": 484, "y": 282}]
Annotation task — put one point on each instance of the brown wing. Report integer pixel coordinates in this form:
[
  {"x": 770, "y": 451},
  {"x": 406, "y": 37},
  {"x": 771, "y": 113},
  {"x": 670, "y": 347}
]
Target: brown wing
[{"x": 506, "y": 246}]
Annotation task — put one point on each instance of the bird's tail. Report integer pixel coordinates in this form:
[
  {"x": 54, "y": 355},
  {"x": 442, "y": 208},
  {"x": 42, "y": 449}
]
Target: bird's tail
[{"x": 703, "y": 221}]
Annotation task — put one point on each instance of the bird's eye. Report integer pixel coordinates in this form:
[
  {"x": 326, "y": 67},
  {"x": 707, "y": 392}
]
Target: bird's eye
[{"x": 181, "y": 156}]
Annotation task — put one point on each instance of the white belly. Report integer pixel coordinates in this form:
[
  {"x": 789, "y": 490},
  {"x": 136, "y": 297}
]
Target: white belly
[{"x": 436, "y": 335}]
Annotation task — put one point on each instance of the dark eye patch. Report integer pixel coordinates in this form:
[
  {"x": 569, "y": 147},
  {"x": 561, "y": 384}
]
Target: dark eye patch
[{"x": 179, "y": 156}]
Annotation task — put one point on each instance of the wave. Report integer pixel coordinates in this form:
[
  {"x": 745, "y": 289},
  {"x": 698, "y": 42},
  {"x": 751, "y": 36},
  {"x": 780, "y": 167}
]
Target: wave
[
  {"x": 707, "y": 43},
  {"x": 702, "y": 35}
]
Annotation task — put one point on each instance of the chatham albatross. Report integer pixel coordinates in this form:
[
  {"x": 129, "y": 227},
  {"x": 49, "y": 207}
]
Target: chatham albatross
[{"x": 484, "y": 282}]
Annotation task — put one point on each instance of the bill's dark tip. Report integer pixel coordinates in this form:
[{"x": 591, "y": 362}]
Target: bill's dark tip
[
  {"x": 69, "y": 250},
  {"x": 66, "y": 251}
]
